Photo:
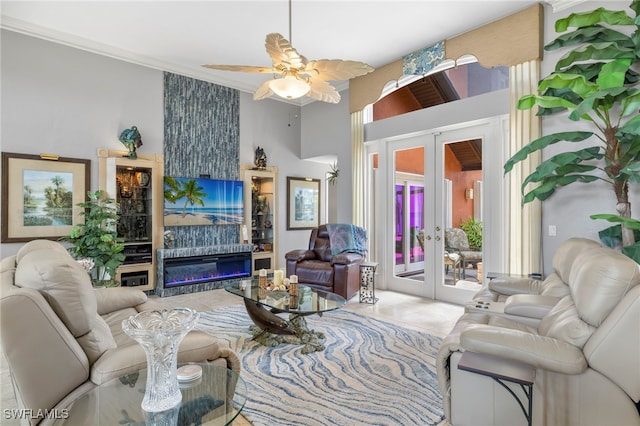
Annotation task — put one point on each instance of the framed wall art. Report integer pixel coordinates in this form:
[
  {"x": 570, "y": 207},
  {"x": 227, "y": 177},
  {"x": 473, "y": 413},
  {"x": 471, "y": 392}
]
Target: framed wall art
[
  {"x": 303, "y": 203},
  {"x": 40, "y": 195}
]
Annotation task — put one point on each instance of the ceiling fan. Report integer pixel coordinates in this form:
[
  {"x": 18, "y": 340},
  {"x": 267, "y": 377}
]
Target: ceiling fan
[{"x": 295, "y": 76}]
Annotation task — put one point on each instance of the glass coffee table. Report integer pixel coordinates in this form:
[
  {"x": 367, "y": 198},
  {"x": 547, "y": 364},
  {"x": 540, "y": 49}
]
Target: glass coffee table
[
  {"x": 216, "y": 398},
  {"x": 263, "y": 307}
]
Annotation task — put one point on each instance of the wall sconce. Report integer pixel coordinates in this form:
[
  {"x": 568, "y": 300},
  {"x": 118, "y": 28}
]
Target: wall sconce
[{"x": 468, "y": 193}]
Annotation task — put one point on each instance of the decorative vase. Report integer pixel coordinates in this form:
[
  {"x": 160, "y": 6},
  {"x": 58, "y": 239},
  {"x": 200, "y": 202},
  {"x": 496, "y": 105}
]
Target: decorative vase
[
  {"x": 102, "y": 278},
  {"x": 160, "y": 334}
]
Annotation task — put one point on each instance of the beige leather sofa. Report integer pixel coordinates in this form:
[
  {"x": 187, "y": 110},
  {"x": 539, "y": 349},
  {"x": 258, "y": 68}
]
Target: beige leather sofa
[
  {"x": 61, "y": 337},
  {"x": 526, "y": 299},
  {"x": 585, "y": 351}
]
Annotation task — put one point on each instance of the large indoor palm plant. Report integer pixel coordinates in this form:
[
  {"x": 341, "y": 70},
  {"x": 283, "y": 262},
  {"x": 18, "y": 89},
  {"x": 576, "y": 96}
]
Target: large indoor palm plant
[{"x": 595, "y": 81}]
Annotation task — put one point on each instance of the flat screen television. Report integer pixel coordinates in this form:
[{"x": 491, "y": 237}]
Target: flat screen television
[{"x": 200, "y": 201}]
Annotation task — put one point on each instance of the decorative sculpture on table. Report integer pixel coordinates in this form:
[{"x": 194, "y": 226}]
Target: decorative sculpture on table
[
  {"x": 261, "y": 204},
  {"x": 131, "y": 139},
  {"x": 261, "y": 159},
  {"x": 169, "y": 239}
]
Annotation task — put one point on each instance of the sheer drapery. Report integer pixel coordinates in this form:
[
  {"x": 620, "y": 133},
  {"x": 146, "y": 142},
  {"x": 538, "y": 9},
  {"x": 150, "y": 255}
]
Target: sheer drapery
[
  {"x": 357, "y": 167},
  {"x": 525, "y": 222}
]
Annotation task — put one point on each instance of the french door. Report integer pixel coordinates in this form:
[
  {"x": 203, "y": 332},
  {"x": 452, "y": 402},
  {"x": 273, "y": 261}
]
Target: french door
[
  {"x": 408, "y": 221},
  {"x": 426, "y": 191}
]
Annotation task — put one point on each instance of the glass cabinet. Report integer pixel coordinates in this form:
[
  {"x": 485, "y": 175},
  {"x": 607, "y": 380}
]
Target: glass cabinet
[
  {"x": 134, "y": 199},
  {"x": 136, "y": 185},
  {"x": 261, "y": 216}
]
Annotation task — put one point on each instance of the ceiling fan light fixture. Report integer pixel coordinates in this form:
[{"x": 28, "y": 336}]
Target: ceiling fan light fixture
[{"x": 289, "y": 87}]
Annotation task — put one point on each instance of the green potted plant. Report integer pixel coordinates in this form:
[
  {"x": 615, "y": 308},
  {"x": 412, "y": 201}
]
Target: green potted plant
[
  {"x": 96, "y": 239},
  {"x": 596, "y": 82},
  {"x": 332, "y": 176},
  {"x": 473, "y": 229}
]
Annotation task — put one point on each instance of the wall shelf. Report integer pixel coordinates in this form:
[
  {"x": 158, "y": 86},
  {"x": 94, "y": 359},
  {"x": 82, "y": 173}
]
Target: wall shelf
[
  {"x": 136, "y": 185},
  {"x": 261, "y": 216}
]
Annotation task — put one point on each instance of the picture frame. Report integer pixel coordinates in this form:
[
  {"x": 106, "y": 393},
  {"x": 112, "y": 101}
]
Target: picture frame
[
  {"x": 303, "y": 203},
  {"x": 40, "y": 195}
]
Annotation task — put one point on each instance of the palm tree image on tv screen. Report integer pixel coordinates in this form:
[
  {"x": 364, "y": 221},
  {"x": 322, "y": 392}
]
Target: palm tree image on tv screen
[{"x": 200, "y": 201}]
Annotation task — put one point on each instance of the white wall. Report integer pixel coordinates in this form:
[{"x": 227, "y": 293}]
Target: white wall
[
  {"x": 326, "y": 132},
  {"x": 60, "y": 100},
  {"x": 275, "y": 126},
  {"x": 65, "y": 101}
]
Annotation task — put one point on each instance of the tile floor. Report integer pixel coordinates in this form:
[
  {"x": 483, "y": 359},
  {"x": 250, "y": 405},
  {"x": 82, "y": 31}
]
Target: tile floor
[{"x": 433, "y": 317}]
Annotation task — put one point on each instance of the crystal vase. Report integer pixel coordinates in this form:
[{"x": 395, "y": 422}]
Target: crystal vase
[{"x": 160, "y": 334}]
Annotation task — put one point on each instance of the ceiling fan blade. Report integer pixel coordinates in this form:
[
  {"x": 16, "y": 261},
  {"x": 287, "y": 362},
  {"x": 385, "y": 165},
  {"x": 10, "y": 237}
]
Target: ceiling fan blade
[
  {"x": 337, "y": 69},
  {"x": 264, "y": 91},
  {"x": 323, "y": 91},
  {"x": 241, "y": 68},
  {"x": 281, "y": 52}
]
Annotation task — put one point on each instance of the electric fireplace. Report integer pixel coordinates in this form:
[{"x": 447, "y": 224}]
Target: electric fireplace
[
  {"x": 203, "y": 268},
  {"x": 200, "y": 269}
]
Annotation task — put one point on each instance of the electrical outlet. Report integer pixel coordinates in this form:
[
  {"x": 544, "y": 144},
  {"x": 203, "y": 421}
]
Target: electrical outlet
[{"x": 552, "y": 230}]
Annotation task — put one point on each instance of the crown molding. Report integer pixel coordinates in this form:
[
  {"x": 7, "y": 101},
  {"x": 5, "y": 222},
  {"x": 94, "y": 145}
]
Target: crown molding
[
  {"x": 558, "y": 5},
  {"x": 59, "y": 37}
]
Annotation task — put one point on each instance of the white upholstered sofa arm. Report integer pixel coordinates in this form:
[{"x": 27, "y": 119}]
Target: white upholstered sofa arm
[{"x": 539, "y": 351}]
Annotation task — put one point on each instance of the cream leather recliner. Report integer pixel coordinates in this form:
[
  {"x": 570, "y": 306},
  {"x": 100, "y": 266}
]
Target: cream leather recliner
[
  {"x": 585, "y": 351},
  {"x": 61, "y": 337},
  {"x": 554, "y": 285},
  {"x": 526, "y": 299}
]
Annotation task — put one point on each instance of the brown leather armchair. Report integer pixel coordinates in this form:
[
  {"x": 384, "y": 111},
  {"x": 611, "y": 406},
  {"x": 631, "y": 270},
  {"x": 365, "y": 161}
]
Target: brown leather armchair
[{"x": 317, "y": 267}]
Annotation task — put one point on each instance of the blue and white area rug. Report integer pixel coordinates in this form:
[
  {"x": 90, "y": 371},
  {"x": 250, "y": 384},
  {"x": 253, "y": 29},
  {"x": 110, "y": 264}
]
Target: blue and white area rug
[{"x": 371, "y": 373}]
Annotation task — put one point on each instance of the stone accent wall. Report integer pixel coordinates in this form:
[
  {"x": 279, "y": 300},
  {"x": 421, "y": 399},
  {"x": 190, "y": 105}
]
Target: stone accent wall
[{"x": 201, "y": 137}]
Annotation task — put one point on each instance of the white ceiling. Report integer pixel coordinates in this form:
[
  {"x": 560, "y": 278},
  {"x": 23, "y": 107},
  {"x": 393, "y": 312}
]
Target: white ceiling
[{"x": 180, "y": 36}]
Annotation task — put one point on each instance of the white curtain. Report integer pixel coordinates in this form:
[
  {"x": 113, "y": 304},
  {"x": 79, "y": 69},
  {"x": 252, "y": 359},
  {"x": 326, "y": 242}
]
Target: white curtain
[
  {"x": 525, "y": 222},
  {"x": 357, "y": 167},
  {"x": 477, "y": 200}
]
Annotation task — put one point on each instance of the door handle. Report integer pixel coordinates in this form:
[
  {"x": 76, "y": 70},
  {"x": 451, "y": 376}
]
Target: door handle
[
  {"x": 437, "y": 237},
  {"x": 428, "y": 237},
  {"x": 437, "y": 228}
]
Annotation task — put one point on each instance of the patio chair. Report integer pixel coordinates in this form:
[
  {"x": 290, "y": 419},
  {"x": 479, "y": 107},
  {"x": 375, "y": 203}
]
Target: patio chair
[{"x": 456, "y": 241}]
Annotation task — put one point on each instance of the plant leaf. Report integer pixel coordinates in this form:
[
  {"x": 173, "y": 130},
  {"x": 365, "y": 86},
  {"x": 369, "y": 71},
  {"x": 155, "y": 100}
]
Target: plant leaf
[
  {"x": 565, "y": 163},
  {"x": 635, "y": 6},
  {"x": 611, "y": 236},
  {"x": 542, "y": 143},
  {"x": 574, "y": 82},
  {"x": 632, "y": 251},
  {"x": 529, "y": 101},
  {"x": 590, "y": 71},
  {"x": 631, "y": 103},
  {"x": 592, "y": 34},
  {"x": 631, "y": 127},
  {"x": 585, "y": 19},
  {"x": 629, "y": 222},
  {"x": 595, "y": 52},
  {"x": 551, "y": 183},
  {"x": 598, "y": 101},
  {"x": 613, "y": 73}
]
